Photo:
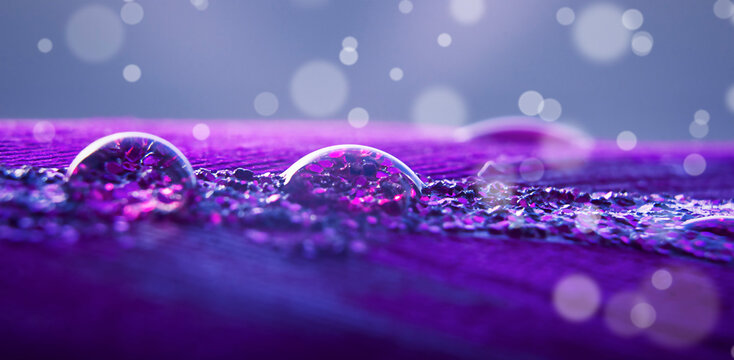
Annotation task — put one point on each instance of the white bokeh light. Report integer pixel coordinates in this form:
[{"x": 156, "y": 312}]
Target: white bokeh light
[
  {"x": 405, "y": 6},
  {"x": 439, "y": 106},
  {"x": 551, "y": 110},
  {"x": 701, "y": 116},
  {"x": 576, "y": 297},
  {"x": 444, "y": 40},
  {"x": 44, "y": 131},
  {"x": 266, "y": 103},
  {"x": 358, "y": 117},
  {"x": 565, "y": 16},
  {"x": 599, "y": 35},
  {"x": 396, "y": 74},
  {"x": 661, "y": 279},
  {"x": 200, "y": 5},
  {"x": 350, "y": 42},
  {"x": 632, "y": 19},
  {"x": 45, "y": 45},
  {"x": 131, "y": 13},
  {"x": 626, "y": 140},
  {"x": 697, "y": 130},
  {"x": 694, "y": 164},
  {"x": 642, "y": 43},
  {"x": 530, "y": 103},
  {"x": 319, "y": 88},
  {"x": 94, "y": 33},
  {"x": 348, "y": 56},
  {"x": 642, "y": 315},
  {"x": 201, "y": 131},
  {"x": 617, "y": 313},
  {"x": 723, "y": 9},
  {"x": 131, "y": 73},
  {"x": 531, "y": 169},
  {"x": 467, "y": 12}
]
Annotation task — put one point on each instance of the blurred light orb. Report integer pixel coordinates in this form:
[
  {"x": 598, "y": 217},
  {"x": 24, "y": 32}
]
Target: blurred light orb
[
  {"x": 551, "y": 110},
  {"x": 201, "y": 131},
  {"x": 131, "y": 13},
  {"x": 642, "y": 43},
  {"x": 632, "y": 19},
  {"x": 319, "y": 88},
  {"x": 531, "y": 169},
  {"x": 565, "y": 16},
  {"x": 396, "y": 74},
  {"x": 266, "y": 103},
  {"x": 444, "y": 40},
  {"x": 94, "y": 33},
  {"x": 661, "y": 279},
  {"x": 530, "y": 103},
  {"x": 701, "y": 116},
  {"x": 350, "y": 42},
  {"x": 348, "y": 56},
  {"x": 131, "y": 73},
  {"x": 617, "y": 313},
  {"x": 730, "y": 99},
  {"x": 45, "y": 45},
  {"x": 405, "y": 6},
  {"x": 694, "y": 164},
  {"x": 44, "y": 131},
  {"x": 599, "y": 35},
  {"x": 642, "y": 315},
  {"x": 626, "y": 140},
  {"x": 358, "y": 117},
  {"x": 439, "y": 105},
  {"x": 723, "y": 9},
  {"x": 697, "y": 130},
  {"x": 467, "y": 12},
  {"x": 576, "y": 297},
  {"x": 200, "y": 5}
]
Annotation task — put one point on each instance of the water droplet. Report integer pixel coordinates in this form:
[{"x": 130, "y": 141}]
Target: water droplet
[
  {"x": 360, "y": 178},
  {"x": 131, "y": 174},
  {"x": 720, "y": 225}
]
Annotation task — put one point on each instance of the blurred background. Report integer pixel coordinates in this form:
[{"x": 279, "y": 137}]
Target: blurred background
[{"x": 654, "y": 70}]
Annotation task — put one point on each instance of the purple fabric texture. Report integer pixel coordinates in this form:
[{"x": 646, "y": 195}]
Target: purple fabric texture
[{"x": 204, "y": 292}]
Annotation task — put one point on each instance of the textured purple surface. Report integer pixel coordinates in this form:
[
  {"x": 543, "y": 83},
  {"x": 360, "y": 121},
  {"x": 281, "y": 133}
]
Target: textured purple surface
[{"x": 196, "y": 292}]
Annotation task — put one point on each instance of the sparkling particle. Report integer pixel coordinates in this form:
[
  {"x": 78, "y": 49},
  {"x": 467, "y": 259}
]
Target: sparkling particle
[
  {"x": 661, "y": 279},
  {"x": 356, "y": 178},
  {"x": 642, "y": 43},
  {"x": 358, "y": 117},
  {"x": 551, "y": 110},
  {"x": 599, "y": 35},
  {"x": 531, "y": 169},
  {"x": 396, "y": 74},
  {"x": 632, "y": 19},
  {"x": 319, "y": 88},
  {"x": 348, "y": 56},
  {"x": 201, "y": 131},
  {"x": 701, "y": 116},
  {"x": 266, "y": 103},
  {"x": 131, "y": 174},
  {"x": 45, "y": 45},
  {"x": 94, "y": 33},
  {"x": 565, "y": 16},
  {"x": 439, "y": 106},
  {"x": 617, "y": 313},
  {"x": 694, "y": 164},
  {"x": 350, "y": 42},
  {"x": 723, "y": 9},
  {"x": 467, "y": 12},
  {"x": 626, "y": 140},
  {"x": 131, "y": 73},
  {"x": 405, "y": 6},
  {"x": 444, "y": 40},
  {"x": 576, "y": 298},
  {"x": 200, "y": 5},
  {"x": 587, "y": 219},
  {"x": 698, "y": 130},
  {"x": 531, "y": 103},
  {"x": 642, "y": 315},
  {"x": 44, "y": 131},
  {"x": 131, "y": 13}
]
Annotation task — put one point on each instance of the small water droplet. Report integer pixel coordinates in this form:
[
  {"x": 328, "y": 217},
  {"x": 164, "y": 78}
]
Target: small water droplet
[
  {"x": 131, "y": 174},
  {"x": 358, "y": 177}
]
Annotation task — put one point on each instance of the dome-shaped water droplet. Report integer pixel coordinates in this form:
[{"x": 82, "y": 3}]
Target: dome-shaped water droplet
[
  {"x": 131, "y": 174},
  {"x": 720, "y": 225},
  {"x": 359, "y": 178}
]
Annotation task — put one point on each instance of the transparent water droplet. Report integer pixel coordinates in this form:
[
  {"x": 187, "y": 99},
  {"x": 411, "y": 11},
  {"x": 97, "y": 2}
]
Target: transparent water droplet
[
  {"x": 720, "y": 225},
  {"x": 359, "y": 178},
  {"x": 131, "y": 174}
]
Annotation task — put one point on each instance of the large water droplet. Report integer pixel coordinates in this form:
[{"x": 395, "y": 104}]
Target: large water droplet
[
  {"x": 131, "y": 174},
  {"x": 360, "y": 178},
  {"x": 720, "y": 225}
]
